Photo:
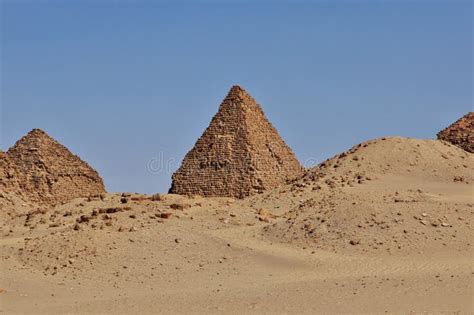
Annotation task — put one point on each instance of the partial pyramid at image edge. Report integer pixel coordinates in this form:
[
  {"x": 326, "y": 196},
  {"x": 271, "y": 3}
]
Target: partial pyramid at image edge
[{"x": 460, "y": 133}]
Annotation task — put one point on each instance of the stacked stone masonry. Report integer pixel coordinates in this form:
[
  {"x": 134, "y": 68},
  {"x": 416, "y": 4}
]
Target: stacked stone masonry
[
  {"x": 47, "y": 172},
  {"x": 8, "y": 175},
  {"x": 239, "y": 154},
  {"x": 461, "y": 133}
]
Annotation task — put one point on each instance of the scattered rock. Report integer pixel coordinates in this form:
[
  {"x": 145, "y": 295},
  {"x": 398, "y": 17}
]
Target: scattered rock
[
  {"x": 156, "y": 197},
  {"x": 83, "y": 219},
  {"x": 176, "y": 206},
  {"x": 265, "y": 215},
  {"x": 264, "y": 219},
  {"x": 165, "y": 215}
]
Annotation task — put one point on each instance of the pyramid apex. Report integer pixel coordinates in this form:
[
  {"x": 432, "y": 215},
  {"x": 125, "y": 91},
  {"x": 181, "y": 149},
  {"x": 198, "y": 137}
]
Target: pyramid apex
[
  {"x": 236, "y": 87},
  {"x": 236, "y": 90},
  {"x": 37, "y": 132},
  {"x": 34, "y": 138},
  {"x": 238, "y": 97}
]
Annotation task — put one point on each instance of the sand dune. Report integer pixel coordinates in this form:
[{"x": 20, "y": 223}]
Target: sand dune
[
  {"x": 384, "y": 227},
  {"x": 393, "y": 194}
]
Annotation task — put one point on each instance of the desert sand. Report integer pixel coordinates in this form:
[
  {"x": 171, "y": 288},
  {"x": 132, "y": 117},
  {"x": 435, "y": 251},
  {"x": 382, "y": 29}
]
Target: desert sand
[{"x": 385, "y": 227}]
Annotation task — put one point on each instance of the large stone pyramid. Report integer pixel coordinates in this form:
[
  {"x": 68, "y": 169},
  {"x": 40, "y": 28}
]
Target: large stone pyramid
[
  {"x": 461, "y": 133},
  {"x": 239, "y": 154},
  {"x": 49, "y": 173}
]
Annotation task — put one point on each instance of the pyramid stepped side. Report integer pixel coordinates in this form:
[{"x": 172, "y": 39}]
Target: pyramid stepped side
[
  {"x": 228, "y": 160},
  {"x": 273, "y": 162},
  {"x": 218, "y": 163},
  {"x": 9, "y": 181},
  {"x": 49, "y": 173},
  {"x": 12, "y": 198},
  {"x": 461, "y": 133}
]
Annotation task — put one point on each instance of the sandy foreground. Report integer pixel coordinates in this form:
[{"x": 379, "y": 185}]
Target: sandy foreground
[{"x": 387, "y": 230}]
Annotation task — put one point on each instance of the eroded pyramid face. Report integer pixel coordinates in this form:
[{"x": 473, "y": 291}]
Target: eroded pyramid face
[
  {"x": 8, "y": 175},
  {"x": 239, "y": 154},
  {"x": 47, "y": 172},
  {"x": 461, "y": 133}
]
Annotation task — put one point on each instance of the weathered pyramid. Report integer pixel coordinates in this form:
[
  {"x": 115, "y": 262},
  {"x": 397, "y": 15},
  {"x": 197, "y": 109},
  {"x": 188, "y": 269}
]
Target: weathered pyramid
[
  {"x": 239, "y": 154},
  {"x": 461, "y": 133},
  {"x": 49, "y": 173},
  {"x": 12, "y": 198},
  {"x": 8, "y": 175}
]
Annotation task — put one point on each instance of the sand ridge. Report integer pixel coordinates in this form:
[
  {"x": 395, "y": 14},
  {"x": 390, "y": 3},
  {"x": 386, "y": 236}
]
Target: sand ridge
[{"x": 329, "y": 242}]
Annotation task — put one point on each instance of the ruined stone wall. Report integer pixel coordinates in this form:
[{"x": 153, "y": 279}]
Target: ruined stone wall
[
  {"x": 461, "y": 133},
  {"x": 239, "y": 154},
  {"x": 49, "y": 173}
]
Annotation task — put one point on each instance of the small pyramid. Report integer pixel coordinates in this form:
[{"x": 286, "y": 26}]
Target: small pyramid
[
  {"x": 461, "y": 133},
  {"x": 49, "y": 173},
  {"x": 239, "y": 154}
]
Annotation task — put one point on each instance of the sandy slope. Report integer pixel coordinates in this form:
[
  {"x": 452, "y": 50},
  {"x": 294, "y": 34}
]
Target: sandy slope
[
  {"x": 406, "y": 206},
  {"x": 393, "y": 194}
]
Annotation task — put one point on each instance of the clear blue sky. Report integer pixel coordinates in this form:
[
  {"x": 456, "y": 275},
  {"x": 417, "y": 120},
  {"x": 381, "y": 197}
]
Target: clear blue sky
[{"x": 123, "y": 83}]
